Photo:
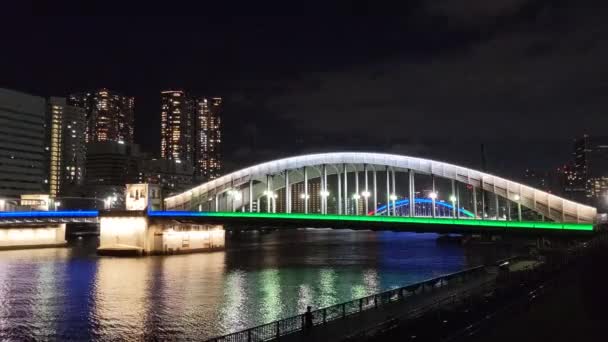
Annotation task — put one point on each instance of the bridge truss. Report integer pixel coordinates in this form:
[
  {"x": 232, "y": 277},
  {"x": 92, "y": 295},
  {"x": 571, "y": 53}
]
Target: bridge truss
[{"x": 353, "y": 183}]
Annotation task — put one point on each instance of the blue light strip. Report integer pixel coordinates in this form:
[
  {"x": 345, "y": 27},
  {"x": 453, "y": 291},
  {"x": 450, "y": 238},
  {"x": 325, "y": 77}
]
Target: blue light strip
[
  {"x": 382, "y": 209},
  {"x": 49, "y": 214}
]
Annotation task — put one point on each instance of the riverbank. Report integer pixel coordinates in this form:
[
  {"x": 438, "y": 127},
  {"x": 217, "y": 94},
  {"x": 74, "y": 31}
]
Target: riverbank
[{"x": 573, "y": 308}]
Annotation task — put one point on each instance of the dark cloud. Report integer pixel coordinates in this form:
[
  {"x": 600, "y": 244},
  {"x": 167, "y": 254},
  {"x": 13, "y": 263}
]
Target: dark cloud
[
  {"x": 529, "y": 84},
  {"x": 436, "y": 78}
]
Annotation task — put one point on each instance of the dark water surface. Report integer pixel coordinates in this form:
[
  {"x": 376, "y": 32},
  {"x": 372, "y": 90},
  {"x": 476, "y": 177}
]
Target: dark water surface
[{"x": 72, "y": 294}]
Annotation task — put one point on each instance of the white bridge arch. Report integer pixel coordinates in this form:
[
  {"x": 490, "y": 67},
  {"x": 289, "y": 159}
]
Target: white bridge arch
[{"x": 254, "y": 181}]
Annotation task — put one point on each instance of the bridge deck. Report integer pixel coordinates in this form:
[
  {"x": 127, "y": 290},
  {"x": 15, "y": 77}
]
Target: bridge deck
[
  {"x": 342, "y": 328},
  {"x": 422, "y": 224}
]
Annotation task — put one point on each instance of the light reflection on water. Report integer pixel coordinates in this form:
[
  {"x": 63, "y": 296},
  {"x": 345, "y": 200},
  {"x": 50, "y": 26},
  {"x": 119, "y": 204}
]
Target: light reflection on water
[{"x": 70, "y": 293}]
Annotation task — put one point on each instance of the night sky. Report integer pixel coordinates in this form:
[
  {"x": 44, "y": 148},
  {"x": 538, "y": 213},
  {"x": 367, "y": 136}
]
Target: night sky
[{"x": 434, "y": 79}]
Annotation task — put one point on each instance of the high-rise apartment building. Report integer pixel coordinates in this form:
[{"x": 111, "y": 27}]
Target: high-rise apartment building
[
  {"x": 191, "y": 132},
  {"x": 65, "y": 145},
  {"x": 208, "y": 133},
  {"x": 176, "y": 126},
  {"x": 109, "y": 115},
  {"x": 23, "y": 164},
  {"x": 591, "y": 166}
]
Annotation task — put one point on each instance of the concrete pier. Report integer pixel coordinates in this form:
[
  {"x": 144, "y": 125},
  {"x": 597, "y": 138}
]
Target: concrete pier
[
  {"x": 32, "y": 236},
  {"x": 133, "y": 233}
]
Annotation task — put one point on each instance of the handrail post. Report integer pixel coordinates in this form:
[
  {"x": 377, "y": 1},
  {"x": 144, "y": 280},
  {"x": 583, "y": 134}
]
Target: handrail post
[
  {"x": 324, "y": 315},
  {"x": 249, "y": 335},
  {"x": 375, "y": 301},
  {"x": 360, "y": 304},
  {"x": 278, "y": 334},
  {"x": 343, "y": 310}
]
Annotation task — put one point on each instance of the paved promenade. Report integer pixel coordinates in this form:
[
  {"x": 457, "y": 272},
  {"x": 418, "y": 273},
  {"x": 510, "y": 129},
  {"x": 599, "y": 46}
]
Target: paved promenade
[{"x": 341, "y": 329}]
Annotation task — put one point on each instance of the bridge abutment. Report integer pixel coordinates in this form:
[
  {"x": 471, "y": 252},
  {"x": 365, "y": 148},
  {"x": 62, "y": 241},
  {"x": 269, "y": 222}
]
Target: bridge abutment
[{"x": 32, "y": 236}]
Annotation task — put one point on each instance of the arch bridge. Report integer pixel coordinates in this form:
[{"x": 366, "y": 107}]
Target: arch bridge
[{"x": 374, "y": 184}]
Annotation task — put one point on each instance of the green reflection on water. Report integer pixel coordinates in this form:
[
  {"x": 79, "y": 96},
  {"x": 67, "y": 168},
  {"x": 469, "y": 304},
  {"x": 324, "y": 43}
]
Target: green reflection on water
[
  {"x": 327, "y": 288},
  {"x": 271, "y": 307}
]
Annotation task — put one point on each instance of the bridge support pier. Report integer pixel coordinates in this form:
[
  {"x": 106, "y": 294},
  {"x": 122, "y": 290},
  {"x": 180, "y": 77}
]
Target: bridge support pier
[
  {"x": 433, "y": 196},
  {"x": 475, "y": 201},
  {"x": 394, "y": 194},
  {"x": 346, "y": 199},
  {"x": 388, "y": 193},
  {"x": 136, "y": 234},
  {"x": 366, "y": 191},
  {"x": 339, "y": 175},
  {"x": 251, "y": 195},
  {"x": 287, "y": 193},
  {"x": 306, "y": 201},
  {"x": 356, "y": 195},
  {"x": 412, "y": 192},
  {"x": 375, "y": 182},
  {"x": 454, "y": 207}
]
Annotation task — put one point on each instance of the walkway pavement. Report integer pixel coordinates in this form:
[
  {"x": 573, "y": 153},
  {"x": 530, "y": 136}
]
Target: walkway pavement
[{"x": 342, "y": 328}]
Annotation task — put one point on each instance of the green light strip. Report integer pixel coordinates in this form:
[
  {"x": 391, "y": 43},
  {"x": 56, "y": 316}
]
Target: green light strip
[{"x": 399, "y": 219}]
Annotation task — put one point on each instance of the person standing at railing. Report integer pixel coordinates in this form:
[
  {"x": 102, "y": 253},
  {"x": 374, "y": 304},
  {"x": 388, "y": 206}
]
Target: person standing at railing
[{"x": 308, "y": 320}]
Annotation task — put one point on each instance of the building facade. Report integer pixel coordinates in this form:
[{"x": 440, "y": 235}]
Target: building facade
[
  {"x": 591, "y": 169},
  {"x": 176, "y": 126},
  {"x": 66, "y": 149},
  {"x": 23, "y": 164},
  {"x": 208, "y": 133},
  {"x": 298, "y": 202},
  {"x": 109, "y": 166},
  {"x": 191, "y": 132},
  {"x": 172, "y": 176},
  {"x": 109, "y": 115}
]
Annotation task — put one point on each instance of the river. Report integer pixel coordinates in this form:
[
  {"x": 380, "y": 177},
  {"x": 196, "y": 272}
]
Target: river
[{"x": 73, "y": 294}]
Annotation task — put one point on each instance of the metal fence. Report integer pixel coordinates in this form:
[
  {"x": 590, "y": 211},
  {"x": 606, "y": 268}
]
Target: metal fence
[{"x": 292, "y": 324}]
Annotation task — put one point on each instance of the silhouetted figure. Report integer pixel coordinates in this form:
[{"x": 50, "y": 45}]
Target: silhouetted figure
[{"x": 308, "y": 320}]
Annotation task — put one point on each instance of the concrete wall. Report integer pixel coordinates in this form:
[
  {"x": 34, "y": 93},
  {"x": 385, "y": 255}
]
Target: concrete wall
[
  {"x": 184, "y": 237},
  {"x": 161, "y": 237},
  {"x": 15, "y": 237},
  {"x": 117, "y": 232}
]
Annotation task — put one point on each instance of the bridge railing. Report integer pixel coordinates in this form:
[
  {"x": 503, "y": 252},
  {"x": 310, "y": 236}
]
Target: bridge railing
[{"x": 276, "y": 329}]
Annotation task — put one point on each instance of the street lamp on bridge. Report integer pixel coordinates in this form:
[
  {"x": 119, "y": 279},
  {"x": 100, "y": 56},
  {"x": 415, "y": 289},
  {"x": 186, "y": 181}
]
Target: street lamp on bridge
[
  {"x": 454, "y": 209},
  {"x": 517, "y": 199},
  {"x": 366, "y": 195}
]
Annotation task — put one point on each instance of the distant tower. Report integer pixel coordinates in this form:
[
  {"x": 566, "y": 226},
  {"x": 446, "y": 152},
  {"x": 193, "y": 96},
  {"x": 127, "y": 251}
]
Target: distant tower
[
  {"x": 208, "y": 138},
  {"x": 109, "y": 115},
  {"x": 176, "y": 126}
]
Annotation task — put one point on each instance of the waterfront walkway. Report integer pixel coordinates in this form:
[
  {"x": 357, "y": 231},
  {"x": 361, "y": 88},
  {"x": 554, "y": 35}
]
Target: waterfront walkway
[{"x": 357, "y": 324}]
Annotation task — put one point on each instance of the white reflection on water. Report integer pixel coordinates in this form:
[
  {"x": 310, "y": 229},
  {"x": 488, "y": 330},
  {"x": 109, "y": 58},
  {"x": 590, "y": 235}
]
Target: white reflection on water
[
  {"x": 233, "y": 312},
  {"x": 4, "y": 298},
  {"x": 271, "y": 306},
  {"x": 371, "y": 279},
  {"x": 121, "y": 298},
  {"x": 327, "y": 288},
  {"x": 304, "y": 297},
  {"x": 44, "y": 306}
]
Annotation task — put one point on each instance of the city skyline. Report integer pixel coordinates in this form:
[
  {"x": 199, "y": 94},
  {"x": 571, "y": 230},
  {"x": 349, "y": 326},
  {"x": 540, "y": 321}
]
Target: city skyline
[{"x": 388, "y": 83}]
